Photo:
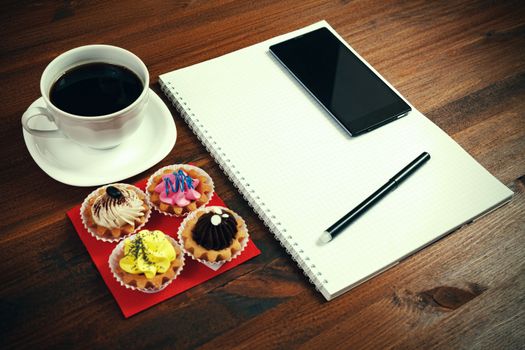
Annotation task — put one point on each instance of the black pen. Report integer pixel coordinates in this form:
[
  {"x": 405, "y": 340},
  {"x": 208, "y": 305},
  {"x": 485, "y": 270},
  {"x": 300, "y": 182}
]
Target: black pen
[{"x": 346, "y": 220}]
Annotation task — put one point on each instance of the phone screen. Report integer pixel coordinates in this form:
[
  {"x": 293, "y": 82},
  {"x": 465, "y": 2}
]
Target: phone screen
[{"x": 352, "y": 93}]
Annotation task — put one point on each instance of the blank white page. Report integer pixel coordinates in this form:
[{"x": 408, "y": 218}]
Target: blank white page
[{"x": 302, "y": 172}]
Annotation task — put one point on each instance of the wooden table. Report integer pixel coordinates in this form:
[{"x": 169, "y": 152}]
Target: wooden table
[{"x": 462, "y": 64}]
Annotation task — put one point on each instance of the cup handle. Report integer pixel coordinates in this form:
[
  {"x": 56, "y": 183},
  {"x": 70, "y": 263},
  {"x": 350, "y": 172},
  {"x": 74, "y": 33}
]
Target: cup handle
[{"x": 32, "y": 112}]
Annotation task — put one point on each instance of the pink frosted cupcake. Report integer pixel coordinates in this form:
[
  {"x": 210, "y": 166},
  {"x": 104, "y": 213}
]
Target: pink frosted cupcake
[{"x": 177, "y": 190}]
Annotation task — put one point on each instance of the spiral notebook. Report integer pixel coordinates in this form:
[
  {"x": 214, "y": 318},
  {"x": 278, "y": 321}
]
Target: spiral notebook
[{"x": 301, "y": 172}]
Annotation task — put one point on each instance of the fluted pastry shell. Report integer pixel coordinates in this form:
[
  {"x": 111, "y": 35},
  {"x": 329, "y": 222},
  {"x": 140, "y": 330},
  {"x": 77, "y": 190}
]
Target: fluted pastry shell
[
  {"x": 139, "y": 281},
  {"x": 205, "y": 188},
  {"x": 204, "y": 255},
  {"x": 112, "y": 234}
]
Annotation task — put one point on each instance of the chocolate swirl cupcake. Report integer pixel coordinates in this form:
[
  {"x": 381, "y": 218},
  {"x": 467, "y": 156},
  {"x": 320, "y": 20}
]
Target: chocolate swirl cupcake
[
  {"x": 213, "y": 234},
  {"x": 117, "y": 207},
  {"x": 112, "y": 212}
]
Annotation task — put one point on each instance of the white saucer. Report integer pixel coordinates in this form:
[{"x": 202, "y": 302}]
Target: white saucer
[{"x": 73, "y": 164}]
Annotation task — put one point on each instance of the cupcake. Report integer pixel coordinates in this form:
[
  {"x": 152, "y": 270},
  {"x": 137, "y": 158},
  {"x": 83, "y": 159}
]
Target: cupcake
[
  {"x": 213, "y": 235},
  {"x": 177, "y": 190},
  {"x": 147, "y": 261},
  {"x": 112, "y": 212}
]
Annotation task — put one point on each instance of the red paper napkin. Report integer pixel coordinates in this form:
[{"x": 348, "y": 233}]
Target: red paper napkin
[{"x": 194, "y": 273}]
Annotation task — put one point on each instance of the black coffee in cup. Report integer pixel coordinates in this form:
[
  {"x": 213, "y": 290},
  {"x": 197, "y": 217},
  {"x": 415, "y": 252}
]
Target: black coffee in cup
[{"x": 96, "y": 89}]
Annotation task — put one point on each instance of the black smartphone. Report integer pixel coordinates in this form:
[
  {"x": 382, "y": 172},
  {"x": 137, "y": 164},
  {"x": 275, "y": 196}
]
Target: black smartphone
[{"x": 350, "y": 91}]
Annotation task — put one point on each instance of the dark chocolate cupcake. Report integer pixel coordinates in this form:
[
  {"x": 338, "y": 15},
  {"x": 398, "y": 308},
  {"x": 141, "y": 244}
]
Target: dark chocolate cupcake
[{"x": 213, "y": 234}]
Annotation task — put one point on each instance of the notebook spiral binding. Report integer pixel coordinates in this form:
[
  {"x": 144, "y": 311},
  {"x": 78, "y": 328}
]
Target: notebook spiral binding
[{"x": 264, "y": 213}]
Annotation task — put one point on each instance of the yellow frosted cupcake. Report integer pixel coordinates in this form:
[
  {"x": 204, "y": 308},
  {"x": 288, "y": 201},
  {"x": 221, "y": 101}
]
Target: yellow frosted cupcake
[{"x": 147, "y": 261}]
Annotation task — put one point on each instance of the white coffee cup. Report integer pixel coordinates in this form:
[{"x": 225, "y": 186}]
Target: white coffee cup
[{"x": 101, "y": 132}]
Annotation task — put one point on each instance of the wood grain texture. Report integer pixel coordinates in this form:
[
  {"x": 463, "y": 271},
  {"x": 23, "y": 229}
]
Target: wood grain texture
[{"x": 462, "y": 63}]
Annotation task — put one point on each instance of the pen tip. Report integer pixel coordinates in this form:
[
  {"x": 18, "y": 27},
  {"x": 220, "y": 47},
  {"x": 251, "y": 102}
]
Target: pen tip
[{"x": 325, "y": 238}]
